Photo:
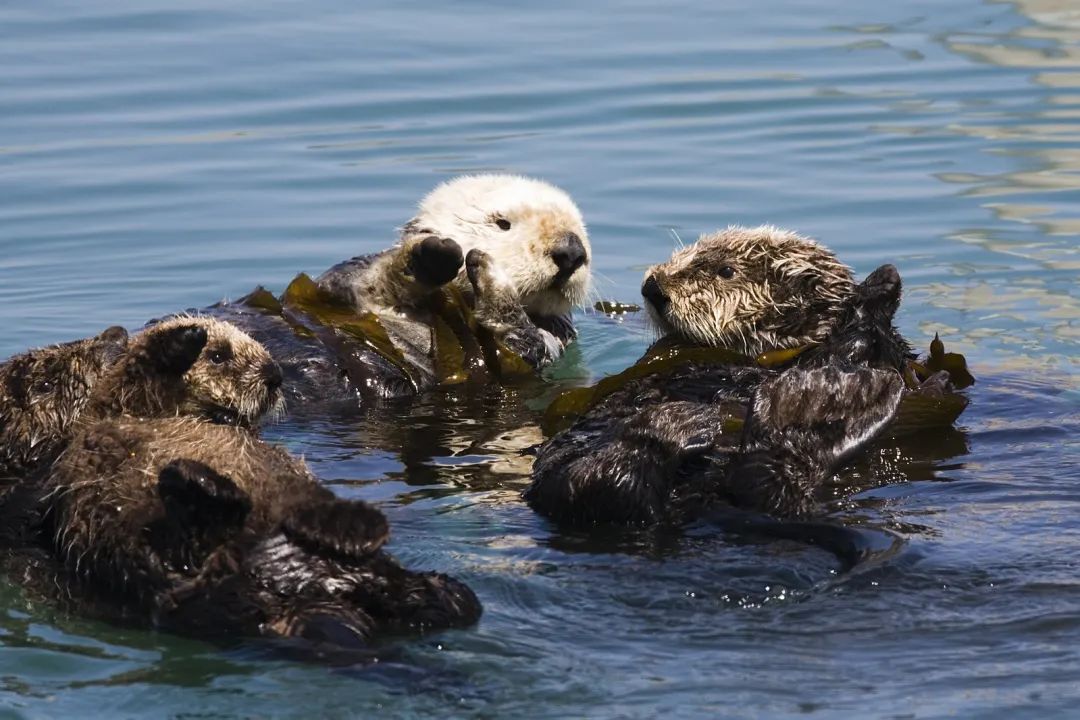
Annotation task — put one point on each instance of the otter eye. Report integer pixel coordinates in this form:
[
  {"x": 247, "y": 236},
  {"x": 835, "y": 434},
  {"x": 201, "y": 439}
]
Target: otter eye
[
  {"x": 727, "y": 272},
  {"x": 503, "y": 223},
  {"x": 220, "y": 356},
  {"x": 43, "y": 386}
]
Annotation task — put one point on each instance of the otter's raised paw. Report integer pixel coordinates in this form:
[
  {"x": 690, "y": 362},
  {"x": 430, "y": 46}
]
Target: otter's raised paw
[
  {"x": 195, "y": 495},
  {"x": 176, "y": 349},
  {"x": 435, "y": 261},
  {"x": 348, "y": 528}
]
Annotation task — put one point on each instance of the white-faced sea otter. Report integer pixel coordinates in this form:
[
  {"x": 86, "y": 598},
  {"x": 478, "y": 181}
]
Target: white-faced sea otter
[{"x": 383, "y": 338}]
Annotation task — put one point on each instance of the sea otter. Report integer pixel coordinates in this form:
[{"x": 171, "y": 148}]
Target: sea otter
[
  {"x": 165, "y": 507},
  {"x": 668, "y": 448},
  {"x": 42, "y": 393},
  {"x": 534, "y": 234}
]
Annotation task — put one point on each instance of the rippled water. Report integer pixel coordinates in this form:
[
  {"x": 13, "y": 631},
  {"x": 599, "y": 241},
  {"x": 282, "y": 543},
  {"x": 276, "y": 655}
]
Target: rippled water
[{"x": 157, "y": 155}]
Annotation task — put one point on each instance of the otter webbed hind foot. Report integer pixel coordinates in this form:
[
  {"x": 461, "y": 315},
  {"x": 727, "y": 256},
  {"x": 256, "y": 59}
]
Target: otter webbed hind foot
[
  {"x": 802, "y": 425},
  {"x": 346, "y": 528}
]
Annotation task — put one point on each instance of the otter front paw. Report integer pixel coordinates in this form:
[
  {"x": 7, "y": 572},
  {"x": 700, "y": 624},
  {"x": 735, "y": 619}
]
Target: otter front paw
[
  {"x": 497, "y": 304},
  {"x": 195, "y": 495},
  {"x": 435, "y": 261},
  {"x": 347, "y": 528}
]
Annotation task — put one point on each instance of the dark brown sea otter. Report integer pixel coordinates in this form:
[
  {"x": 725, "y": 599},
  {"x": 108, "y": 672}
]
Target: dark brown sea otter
[
  {"x": 669, "y": 448},
  {"x": 165, "y": 508}
]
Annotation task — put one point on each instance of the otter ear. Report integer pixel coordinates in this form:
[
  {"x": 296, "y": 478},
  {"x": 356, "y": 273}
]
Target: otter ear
[
  {"x": 175, "y": 350},
  {"x": 881, "y": 289},
  {"x": 115, "y": 335},
  {"x": 196, "y": 496},
  {"x": 347, "y": 528}
]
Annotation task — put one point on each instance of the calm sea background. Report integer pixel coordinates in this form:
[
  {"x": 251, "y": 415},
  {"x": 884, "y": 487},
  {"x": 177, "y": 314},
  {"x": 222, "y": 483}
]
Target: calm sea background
[{"x": 159, "y": 155}]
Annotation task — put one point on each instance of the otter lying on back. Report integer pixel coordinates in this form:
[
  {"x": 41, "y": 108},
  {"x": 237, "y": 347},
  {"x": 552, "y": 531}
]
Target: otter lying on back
[
  {"x": 534, "y": 234},
  {"x": 42, "y": 393},
  {"x": 669, "y": 448},
  {"x": 158, "y": 511}
]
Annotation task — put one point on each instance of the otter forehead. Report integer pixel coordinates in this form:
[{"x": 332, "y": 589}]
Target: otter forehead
[
  {"x": 220, "y": 335},
  {"x": 474, "y": 199},
  {"x": 763, "y": 247}
]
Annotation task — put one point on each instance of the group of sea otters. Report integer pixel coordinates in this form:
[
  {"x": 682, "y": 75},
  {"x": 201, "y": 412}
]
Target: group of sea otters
[{"x": 134, "y": 485}]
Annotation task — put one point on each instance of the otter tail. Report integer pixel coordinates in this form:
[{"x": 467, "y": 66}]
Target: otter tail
[{"x": 852, "y": 546}]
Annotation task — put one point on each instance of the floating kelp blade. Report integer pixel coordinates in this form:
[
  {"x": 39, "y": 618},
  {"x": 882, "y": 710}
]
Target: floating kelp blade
[
  {"x": 305, "y": 296},
  {"x": 924, "y": 411},
  {"x": 665, "y": 357},
  {"x": 261, "y": 299}
]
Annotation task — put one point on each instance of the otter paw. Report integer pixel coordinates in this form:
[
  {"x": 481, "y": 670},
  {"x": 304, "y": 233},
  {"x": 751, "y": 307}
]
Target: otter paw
[
  {"x": 478, "y": 266},
  {"x": 348, "y": 528},
  {"x": 177, "y": 349},
  {"x": 324, "y": 624},
  {"x": 435, "y": 260},
  {"x": 195, "y": 495}
]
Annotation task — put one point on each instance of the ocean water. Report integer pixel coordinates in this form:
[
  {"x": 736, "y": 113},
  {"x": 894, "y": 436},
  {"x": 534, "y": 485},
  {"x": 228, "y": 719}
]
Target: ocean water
[{"x": 159, "y": 155}]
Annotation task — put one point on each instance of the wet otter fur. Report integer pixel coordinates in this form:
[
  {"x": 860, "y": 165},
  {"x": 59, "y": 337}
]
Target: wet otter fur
[
  {"x": 195, "y": 366},
  {"x": 235, "y": 537},
  {"x": 536, "y": 238},
  {"x": 159, "y": 510},
  {"x": 668, "y": 449},
  {"x": 749, "y": 289},
  {"x": 43, "y": 392}
]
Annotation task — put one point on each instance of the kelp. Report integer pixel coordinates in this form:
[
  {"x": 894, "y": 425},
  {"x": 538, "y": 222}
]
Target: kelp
[
  {"x": 319, "y": 311},
  {"x": 665, "y": 357},
  {"x": 462, "y": 350},
  {"x": 917, "y": 410},
  {"x": 465, "y": 349},
  {"x": 953, "y": 363}
]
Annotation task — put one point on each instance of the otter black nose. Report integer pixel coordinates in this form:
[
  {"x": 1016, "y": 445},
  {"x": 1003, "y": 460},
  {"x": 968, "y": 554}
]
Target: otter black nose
[
  {"x": 651, "y": 291},
  {"x": 271, "y": 376},
  {"x": 436, "y": 260},
  {"x": 569, "y": 254}
]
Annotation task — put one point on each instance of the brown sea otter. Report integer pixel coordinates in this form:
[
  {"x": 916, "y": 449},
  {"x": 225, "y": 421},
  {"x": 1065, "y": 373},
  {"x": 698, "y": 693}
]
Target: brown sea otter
[
  {"x": 165, "y": 508},
  {"x": 666, "y": 448}
]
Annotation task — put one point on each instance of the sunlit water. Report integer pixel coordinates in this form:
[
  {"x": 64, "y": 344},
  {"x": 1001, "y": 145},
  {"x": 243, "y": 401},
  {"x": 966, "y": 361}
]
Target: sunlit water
[{"x": 158, "y": 156}]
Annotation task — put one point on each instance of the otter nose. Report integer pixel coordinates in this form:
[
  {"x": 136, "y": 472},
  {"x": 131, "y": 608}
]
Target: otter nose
[
  {"x": 651, "y": 291},
  {"x": 569, "y": 254},
  {"x": 271, "y": 376},
  {"x": 436, "y": 260}
]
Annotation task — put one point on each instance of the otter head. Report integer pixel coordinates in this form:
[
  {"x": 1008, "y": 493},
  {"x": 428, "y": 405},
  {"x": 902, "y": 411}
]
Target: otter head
[
  {"x": 532, "y": 230},
  {"x": 196, "y": 366},
  {"x": 43, "y": 391},
  {"x": 748, "y": 289}
]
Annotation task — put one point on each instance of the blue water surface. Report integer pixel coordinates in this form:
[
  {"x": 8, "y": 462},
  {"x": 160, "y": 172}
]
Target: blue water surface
[{"x": 157, "y": 155}]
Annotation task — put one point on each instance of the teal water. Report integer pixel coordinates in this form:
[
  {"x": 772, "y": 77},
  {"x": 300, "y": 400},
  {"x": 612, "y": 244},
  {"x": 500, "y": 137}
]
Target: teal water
[{"x": 162, "y": 155}]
